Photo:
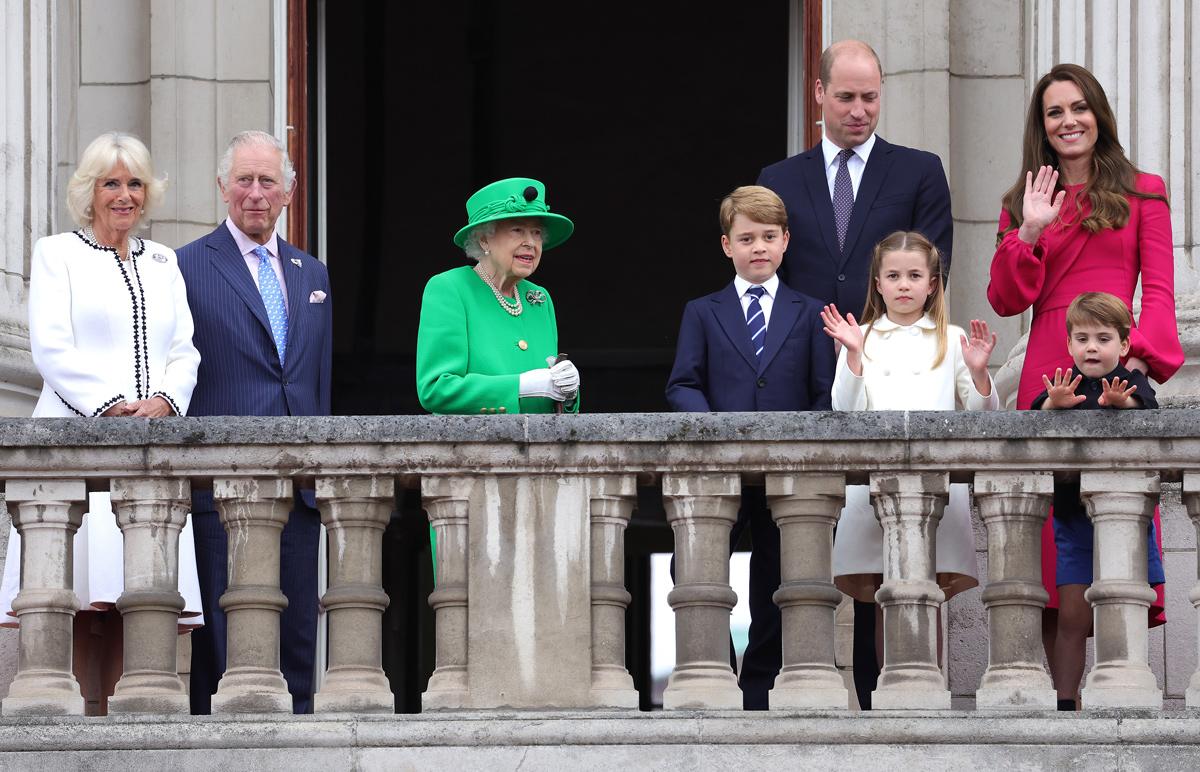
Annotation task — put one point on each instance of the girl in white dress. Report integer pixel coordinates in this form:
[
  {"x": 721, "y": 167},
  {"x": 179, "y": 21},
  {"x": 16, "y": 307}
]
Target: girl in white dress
[
  {"x": 111, "y": 335},
  {"x": 902, "y": 358}
]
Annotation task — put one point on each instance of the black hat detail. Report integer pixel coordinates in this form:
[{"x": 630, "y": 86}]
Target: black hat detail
[{"x": 530, "y": 193}]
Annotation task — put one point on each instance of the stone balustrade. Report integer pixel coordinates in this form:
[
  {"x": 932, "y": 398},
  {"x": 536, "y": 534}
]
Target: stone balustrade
[{"x": 530, "y": 514}]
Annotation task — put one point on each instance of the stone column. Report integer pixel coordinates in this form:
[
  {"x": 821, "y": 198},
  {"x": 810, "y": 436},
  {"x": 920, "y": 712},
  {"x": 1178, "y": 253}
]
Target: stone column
[
  {"x": 355, "y": 510},
  {"x": 1014, "y": 507},
  {"x": 47, "y": 514},
  {"x": 702, "y": 509},
  {"x": 1121, "y": 505},
  {"x": 909, "y": 507},
  {"x": 151, "y": 512},
  {"x": 611, "y": 502},
  {"x": 446, "y": 500},
  {"x": 806, "y": 507},
  {"x": 253, "y": 511},
  {"x": 1191, "y": 499}
]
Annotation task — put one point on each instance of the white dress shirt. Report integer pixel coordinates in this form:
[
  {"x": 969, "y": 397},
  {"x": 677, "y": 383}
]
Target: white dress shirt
[
  {"x": 856, "y": 165},
  {"x": 771, "y": 286},
  {"x": 247, "y": 245}
]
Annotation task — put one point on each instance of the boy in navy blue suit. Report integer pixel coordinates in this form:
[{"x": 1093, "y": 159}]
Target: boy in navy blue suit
[{"x": 757, "y": 344}]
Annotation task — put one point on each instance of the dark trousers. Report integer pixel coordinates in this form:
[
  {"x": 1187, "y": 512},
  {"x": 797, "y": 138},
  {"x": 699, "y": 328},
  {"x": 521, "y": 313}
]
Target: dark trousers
[
  {"x": 866, "y": 666},
  {"x": 764, "y": 651},
  {"x": 297, "y": 580}
]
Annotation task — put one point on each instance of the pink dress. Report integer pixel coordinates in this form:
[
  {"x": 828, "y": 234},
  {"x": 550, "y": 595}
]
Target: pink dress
[{"x": 1067, "y": 261}]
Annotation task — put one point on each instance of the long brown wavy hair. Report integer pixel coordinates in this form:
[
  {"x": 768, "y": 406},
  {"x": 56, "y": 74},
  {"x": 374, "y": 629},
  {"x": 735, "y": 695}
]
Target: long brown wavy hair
[
  {"x": 935, "y": 304},
  {"x": 1112, "y": 177}
]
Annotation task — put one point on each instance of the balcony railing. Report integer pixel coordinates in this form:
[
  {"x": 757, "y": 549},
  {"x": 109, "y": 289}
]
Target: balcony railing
[{"x": 530, "y": 514}]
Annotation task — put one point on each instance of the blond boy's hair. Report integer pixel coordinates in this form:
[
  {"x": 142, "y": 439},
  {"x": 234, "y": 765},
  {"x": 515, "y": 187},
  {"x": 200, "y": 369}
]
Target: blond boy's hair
[
  {"x": 1101, "y": 309},
  {"x": 757, "y": 203}
]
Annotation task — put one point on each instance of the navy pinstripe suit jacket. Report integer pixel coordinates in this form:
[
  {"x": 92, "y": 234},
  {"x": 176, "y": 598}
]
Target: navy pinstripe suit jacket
[{"x": 240, "y": 372}]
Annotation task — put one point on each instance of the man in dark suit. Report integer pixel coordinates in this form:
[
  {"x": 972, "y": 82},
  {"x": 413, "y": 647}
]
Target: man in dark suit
[
  {"x": 843, "y": 196},
  {"x": 263, "y": 327},
  {"x": 757, "y": 344}
]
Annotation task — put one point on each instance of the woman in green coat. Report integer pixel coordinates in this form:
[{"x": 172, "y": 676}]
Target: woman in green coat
[{"x": 488, "y": 339}]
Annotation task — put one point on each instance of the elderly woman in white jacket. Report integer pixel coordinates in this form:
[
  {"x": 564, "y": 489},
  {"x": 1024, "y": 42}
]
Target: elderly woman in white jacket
[{"x": 111, "y": 335}]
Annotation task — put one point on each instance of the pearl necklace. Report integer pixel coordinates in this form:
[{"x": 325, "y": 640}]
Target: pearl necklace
[{"x": 509, "y": 307}]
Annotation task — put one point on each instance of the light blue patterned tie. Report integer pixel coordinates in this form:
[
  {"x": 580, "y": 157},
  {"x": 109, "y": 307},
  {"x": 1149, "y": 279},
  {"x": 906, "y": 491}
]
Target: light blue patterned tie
[
  {"x": 756, "y": 320},
  {"x": 272, "y": 295}
]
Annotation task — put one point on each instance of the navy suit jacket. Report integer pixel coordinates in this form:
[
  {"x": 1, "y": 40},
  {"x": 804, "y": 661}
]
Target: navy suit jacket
[
  {"x": 902, "y": 189},
  {"x": 239, "y": 371},
  {"x": 716, "y": 370}
]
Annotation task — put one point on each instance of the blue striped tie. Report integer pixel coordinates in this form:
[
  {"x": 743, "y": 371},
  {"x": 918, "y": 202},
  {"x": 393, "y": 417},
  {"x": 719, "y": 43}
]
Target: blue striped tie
[
  {"x": 756, "y": 321},
  {"x": 272, "y": 295}
]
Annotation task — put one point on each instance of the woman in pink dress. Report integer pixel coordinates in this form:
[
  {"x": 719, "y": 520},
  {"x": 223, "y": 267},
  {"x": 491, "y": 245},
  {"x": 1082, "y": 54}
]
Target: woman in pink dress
[{"x": 1081, "y": 218}]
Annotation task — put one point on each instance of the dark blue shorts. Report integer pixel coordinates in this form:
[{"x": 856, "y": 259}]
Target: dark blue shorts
[{"x": 1073, "y": 537}]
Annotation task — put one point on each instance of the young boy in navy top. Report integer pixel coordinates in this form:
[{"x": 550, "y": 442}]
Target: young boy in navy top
[
  {"x": 756, "y": 344},
  {"x": 1098, "y": 327}
]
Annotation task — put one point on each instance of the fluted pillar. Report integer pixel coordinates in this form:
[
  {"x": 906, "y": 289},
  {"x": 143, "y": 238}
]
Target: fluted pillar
[
  {"x": 46, "y": 513},
  {"x": 611, "y": 502},
  {"x": 806, "y": 508},
  {"x": 1191, "y": 499},
  {"x": 253, "y": 511},
  {"x": 909, "y": 507},
  {"x": 446, "y": 500},
  {"x": 702, "y": 509},
  {"x": 1014, "y": 506},
  {"x": 151, "y": 512},
  {"x": 1121, "y": 505},
  {"x": 355, "y": 510}
]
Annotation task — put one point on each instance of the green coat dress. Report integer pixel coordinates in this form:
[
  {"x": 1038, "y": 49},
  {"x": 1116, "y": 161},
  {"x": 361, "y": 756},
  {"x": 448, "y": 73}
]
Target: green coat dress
[{"x": 471, "y": 352}]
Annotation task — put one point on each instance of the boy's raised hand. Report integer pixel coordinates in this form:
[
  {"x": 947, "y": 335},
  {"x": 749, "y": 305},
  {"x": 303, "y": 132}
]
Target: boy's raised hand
[
  {"x": 844, "y": 330},
  {"x": 978, "y": 350},
  {"x": 1118, "y": 393},
  {"x": 1060, "y": 395}
]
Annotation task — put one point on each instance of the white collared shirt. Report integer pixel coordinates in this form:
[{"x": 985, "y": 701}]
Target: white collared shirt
[
  {"x": 771, "y": 286},
  {"x": 247, "y": 245},
  {"x": 856, "y": 165}
]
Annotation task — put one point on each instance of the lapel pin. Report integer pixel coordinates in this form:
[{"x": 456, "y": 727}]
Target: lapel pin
[
  {"x": 159, "y": 258},
  {"x": 297, "y": 262}
]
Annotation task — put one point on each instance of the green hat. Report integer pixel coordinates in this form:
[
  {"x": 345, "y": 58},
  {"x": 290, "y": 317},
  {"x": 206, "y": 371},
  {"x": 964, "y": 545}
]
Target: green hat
[{"x": 510, "y": 198}]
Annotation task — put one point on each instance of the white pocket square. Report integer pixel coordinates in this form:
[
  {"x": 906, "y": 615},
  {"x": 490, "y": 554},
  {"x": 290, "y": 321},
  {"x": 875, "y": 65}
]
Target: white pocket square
[{"x": 317, "y": 296}]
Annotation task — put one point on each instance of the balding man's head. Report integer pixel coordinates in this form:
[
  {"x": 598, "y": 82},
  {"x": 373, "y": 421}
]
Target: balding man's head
[
  {"x": 846, "y": 48},
  {"x": 849, "y": 92}
]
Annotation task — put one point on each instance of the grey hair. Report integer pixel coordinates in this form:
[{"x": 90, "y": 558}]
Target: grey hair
[
  {"x": 471, "y": 244},
  {"x": 98, "y": 160},
  {"x": 254, "y": 137}
]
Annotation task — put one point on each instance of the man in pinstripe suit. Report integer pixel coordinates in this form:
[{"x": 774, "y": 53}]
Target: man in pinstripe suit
[{"x": 263, "y": 327}]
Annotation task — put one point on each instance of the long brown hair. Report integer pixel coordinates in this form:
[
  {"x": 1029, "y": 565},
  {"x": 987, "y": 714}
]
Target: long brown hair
[
  {"x": 1113, "y": 177},
  {"x": 935, "y": 304}
]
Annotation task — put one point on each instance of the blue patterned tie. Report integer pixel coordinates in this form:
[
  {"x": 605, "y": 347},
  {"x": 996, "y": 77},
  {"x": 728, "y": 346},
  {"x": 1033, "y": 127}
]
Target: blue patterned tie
[
  {"x": 272, "y": 295},
  {"x": 756, "y": 321},
  {"x": 843, "y": 196}
]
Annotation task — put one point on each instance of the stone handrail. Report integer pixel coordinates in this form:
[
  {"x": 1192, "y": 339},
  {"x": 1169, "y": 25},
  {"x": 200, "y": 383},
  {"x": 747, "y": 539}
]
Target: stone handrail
[{"x": 530, "y": 513}]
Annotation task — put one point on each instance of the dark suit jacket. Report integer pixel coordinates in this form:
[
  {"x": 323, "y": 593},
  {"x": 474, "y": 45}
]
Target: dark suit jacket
[
  {"x": 901, "y": 189},
  {"x": 716, "y": 370},
  {"x": 240, "y": 372}
]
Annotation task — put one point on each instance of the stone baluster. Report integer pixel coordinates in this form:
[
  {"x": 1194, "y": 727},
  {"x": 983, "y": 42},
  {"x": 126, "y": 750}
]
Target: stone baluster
[
  {"x": 253, "y": 511},
  {"x": 909, "y": 507},
  {"x": 1120, "y": 505},
  {"x": 806, "y": 508},
  {"x": 446, "y": 500},
  {"x": 1191, "y": 499},
  {"x": 355, "y": 511},
  {"x": 47, "y": 514},
  {"x": 151, "y": 512},
  {"x": 702, "y": 509},
  {"x": 1013, "y": 506},
  {"x": 611, "y": 502}
]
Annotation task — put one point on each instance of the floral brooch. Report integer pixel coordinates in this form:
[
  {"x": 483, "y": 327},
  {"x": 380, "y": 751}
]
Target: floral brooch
[{"x": 535, "y": 297}]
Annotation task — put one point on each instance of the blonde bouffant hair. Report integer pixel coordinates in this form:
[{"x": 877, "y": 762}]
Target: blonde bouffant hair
[
  {"x": 98, "y": 161},
  {"x": 935, "y": 304}
]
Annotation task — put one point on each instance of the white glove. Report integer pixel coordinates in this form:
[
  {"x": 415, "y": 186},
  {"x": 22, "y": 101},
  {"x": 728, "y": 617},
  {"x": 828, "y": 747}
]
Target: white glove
[
  {"x": 539, "y": 383},
  {"x": 566, "y": 378}
]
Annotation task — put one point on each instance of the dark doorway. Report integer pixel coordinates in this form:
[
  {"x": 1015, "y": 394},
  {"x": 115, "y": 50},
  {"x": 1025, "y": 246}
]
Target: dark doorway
[{"x": 638, "y": 117}]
